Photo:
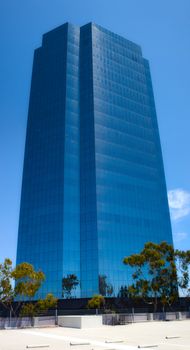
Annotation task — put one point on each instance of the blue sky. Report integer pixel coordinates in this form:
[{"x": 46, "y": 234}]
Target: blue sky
[{"x": 161, "y": 27}]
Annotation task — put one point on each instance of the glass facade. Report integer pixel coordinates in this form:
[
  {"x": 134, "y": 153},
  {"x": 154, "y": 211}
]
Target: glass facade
[{"x": 93, "y": 182}]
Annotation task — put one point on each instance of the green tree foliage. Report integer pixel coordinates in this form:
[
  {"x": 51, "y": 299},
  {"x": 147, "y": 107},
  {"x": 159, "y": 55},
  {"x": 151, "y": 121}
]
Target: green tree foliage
[
  {"x": 22, "y": 283},
  {"x": 69, "y": 283},
  {"x": 28, "y": 310},
  {"x": 96, "y": 302},
  {"x": 28, "y": 281},
  {"x": 105, "y": 289},
  {"x": 50, "y": 302},
  {"x": 182, "y": 259},
  {"x": 154, "y": 273},
  {"x": 7, "y": 291},
  {"x": 42, "y": 305}
]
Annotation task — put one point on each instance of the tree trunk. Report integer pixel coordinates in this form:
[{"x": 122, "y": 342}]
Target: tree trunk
[{"x": 155, "y": 303}]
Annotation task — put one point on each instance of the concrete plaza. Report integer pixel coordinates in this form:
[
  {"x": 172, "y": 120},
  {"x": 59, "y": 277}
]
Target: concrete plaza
[{"x": 128, "y": 337}]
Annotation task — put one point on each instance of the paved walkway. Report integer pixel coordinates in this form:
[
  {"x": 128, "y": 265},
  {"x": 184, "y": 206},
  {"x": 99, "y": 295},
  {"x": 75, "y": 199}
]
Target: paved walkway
[{"x": 127, "y": 337}]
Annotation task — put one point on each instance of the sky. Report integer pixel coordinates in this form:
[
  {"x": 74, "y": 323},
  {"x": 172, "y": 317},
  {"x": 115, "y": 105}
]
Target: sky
[{"x": 160, "y": 27}]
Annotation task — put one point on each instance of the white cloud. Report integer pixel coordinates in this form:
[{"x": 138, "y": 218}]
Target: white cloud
[
  {"x": 180, "y": 236},
  {"x": 179, "y": 203}
]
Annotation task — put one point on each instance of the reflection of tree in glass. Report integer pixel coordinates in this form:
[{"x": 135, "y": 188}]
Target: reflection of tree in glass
[
  {"x": 105, "y": 289},
  {"x": 124, "y": 292},
  {"x": 69, "y": 283}
]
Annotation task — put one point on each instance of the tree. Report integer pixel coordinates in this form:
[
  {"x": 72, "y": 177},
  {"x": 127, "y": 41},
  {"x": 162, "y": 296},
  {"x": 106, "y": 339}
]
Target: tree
[
  {"x": 42, "y": 305},
  {"x": 28, "y": 310},
  {"x": 105, "y": 289},
  {"x": 7, "y": 292},
  {"x": 28, "y": 281},
  {"x": 50, "y": 302},
  {"x": 182, "y": 260},
  {"x": 69, "y": 283},
  {"x": 21, "y": 283},
  {"x": 155, "y": 274},
  {"x": 96, "y": 302}
]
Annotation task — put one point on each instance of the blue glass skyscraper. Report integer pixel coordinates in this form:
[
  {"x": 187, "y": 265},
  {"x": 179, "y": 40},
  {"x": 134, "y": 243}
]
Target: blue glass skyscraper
[{"x": 93, "y": 186}]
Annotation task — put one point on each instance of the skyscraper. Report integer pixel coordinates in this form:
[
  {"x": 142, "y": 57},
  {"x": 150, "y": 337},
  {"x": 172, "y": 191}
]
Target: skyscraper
[{"x": 93, "y": 186}]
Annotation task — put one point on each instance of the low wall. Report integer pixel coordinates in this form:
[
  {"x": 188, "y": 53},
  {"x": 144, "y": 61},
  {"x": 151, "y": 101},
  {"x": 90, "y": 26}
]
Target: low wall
[
  {"x": 80, "y": 321},
  {"x": 121, "y": 319},
  {"x": 86, "y": 321},
  {"x": 25, "y": 322}
]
